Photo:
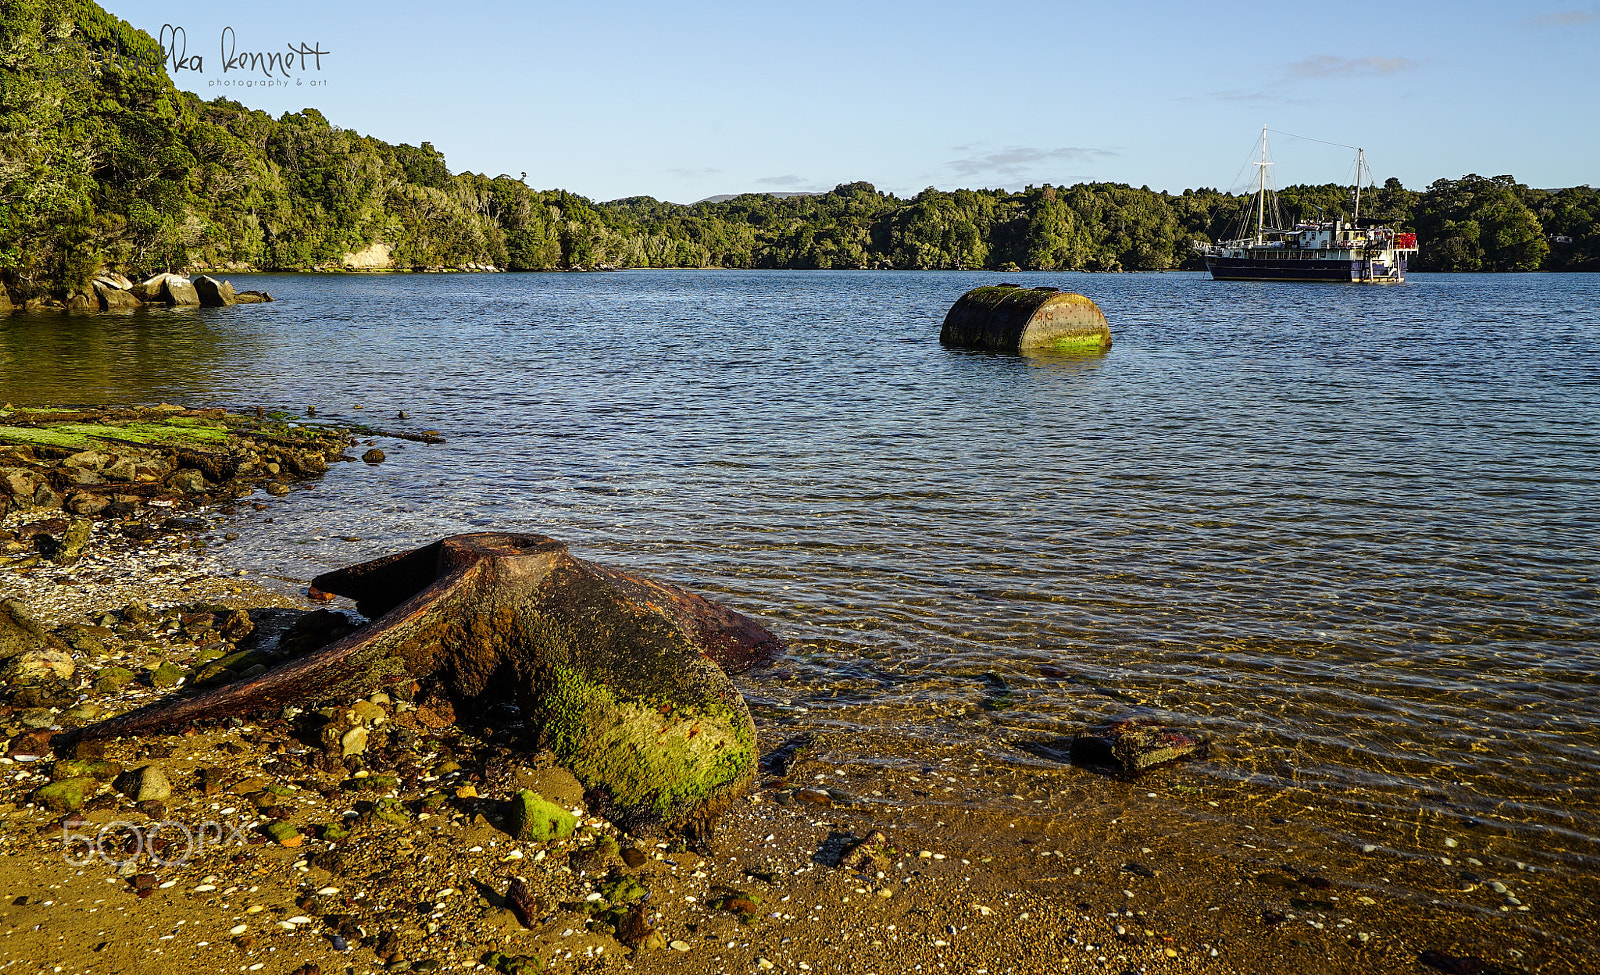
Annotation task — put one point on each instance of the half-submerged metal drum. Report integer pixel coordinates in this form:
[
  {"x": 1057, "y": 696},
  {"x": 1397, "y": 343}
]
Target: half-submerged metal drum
[{"x": 1009, "y": 318}]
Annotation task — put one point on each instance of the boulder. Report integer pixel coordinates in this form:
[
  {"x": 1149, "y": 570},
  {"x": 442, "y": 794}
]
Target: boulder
[
  {"x": 144, "y": 784},
  {"x": 1007, "y": 318},
  {"x": 252, "y": 297},
  {"x": 79, "y": 303},
  {"x": 214, "y": 293},
  {"x": 112, "y": 279},
  {"x": 20, "y": 483},
  {"x": 86, "y": 504},
  {"x": 167, "y": 289},
  {"x": 180, "y": 292},
  {"x": 89, "y": 460},
  {"x": 6, "y": 307},
  {"x": 115, "y": 299}
]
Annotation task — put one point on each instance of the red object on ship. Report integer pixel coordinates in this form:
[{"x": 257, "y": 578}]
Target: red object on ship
[{"x": 1405, "y": 240}]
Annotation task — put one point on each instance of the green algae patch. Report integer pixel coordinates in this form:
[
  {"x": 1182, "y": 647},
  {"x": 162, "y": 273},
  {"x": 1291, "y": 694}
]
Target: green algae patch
[
  {"x": 391, "y": 811},
  {"x": 661, "y": 761},
  {"x": 68, "y": 795},
  {"x": 535, "y": 819},
  {"x": 80, "y": 436},
  {"x": 81, "y": 768},
  {"x": 284, "y": 834}
]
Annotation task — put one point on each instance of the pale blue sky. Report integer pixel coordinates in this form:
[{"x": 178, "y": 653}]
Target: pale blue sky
[{"x": 682, "y": 101}]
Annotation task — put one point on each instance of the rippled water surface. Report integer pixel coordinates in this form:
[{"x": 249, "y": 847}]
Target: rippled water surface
[{"x": 1350, "y": 533}]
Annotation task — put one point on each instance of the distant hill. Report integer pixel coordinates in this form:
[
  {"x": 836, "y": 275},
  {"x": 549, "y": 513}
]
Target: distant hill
[{"x": 725, "y": 197}]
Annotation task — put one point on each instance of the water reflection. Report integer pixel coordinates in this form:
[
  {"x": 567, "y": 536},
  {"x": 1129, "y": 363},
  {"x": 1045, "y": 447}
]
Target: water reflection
[{"x": 127, "y": 357}]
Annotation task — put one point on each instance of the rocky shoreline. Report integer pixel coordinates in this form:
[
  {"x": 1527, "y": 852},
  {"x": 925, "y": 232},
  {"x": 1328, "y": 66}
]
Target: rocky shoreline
[
  {"x": 110, "y": 291},
  {"x": 384, "y": 833}
]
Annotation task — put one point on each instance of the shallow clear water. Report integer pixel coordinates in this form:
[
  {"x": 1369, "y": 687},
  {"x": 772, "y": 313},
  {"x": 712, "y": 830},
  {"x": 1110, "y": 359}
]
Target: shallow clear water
[{"x": 1350, "y": 533}]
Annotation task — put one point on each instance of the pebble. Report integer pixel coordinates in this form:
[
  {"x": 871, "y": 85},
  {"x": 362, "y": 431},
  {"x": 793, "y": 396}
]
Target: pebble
[
  {"x": 679, "y": 945},
  {"x": 239, "y": 929}
]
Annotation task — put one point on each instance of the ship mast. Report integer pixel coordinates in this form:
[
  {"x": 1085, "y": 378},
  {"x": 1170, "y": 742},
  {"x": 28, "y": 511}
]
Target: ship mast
[
  {"x": 1361, "y": 166},
  {"x": 1261, "y": 189}
]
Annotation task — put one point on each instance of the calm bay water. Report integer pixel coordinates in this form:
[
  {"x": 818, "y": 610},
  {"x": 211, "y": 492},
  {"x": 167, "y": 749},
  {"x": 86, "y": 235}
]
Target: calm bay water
[{"x": 1350, "y": 533}]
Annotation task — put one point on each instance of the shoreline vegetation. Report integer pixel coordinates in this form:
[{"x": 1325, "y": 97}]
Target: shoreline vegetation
[
  {"x": 109, "y": 166},
  {"x": 390, "y": 830}
]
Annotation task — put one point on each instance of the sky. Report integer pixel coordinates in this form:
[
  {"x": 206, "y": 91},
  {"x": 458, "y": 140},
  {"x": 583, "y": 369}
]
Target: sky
[{"x": 681, "y": 101}]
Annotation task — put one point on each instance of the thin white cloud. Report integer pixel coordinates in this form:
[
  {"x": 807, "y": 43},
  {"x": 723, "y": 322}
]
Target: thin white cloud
[
  {"x": 684, "y": 173},
  {"x": 1567, "y": 18},
  {"x": 1332, "y": 66},
  {"x": 1274, "y": 97},
  {"x": 789, "y": 181},
  {"x": 1021, "y": 160}
]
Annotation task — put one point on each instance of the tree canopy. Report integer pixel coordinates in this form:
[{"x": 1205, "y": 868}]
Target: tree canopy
[{"x": 104, "y": 163}]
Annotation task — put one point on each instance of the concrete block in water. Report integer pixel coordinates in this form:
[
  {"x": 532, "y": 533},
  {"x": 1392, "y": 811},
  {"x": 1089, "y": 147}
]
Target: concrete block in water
[{"x": 1008, "y": 318}]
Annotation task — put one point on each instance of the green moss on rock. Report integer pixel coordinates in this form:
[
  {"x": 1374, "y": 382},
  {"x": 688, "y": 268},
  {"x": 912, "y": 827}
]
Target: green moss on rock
[
  {"x": 112, "y": 679},
  {"x": 83, "y": 768},
  {"x": 391, "y": 811},
  {"x": 82, "y": 435},
  {"x": 535, "y": 819},
  {"x": 284, "y": 834},
  {"x": 167, "y": 675},
  {"x": 68, "y": 795}
]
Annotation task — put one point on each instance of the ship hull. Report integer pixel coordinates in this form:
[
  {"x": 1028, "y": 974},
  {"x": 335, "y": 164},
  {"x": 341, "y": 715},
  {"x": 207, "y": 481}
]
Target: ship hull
[{"x": 1259, "y": 269}]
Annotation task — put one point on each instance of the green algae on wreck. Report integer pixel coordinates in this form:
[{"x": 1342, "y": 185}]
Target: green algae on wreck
[{"x": 650, "y": 757}]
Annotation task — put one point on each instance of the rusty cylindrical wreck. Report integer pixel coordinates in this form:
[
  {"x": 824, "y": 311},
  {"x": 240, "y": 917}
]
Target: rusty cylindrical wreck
[{"x": 1009, "y": 318}]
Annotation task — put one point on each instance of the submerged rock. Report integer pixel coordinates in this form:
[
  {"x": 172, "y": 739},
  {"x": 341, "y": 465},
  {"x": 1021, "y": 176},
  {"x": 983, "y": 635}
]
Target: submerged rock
[
  {"x": 37, "y": 666},
  {"x": 19, "y": 632},
  {"x": 68, "y": 795},
  {"x": 1134, "y": 743}
]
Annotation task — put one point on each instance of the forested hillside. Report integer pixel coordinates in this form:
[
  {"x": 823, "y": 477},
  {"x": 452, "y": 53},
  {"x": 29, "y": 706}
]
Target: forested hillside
[{"x": 103, "y": 163}]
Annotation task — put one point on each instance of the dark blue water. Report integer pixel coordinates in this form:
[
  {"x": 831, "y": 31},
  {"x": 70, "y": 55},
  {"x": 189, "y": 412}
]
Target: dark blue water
[{"x": 1348, "y": 532}]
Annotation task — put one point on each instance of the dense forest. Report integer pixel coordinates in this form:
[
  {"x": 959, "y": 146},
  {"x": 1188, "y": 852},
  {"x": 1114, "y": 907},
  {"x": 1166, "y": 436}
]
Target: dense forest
[{"x": 104, "y": 163}]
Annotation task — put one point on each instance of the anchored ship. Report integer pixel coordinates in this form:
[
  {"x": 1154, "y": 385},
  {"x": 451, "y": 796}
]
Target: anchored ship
[{"x": 1354, "y": 250}]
